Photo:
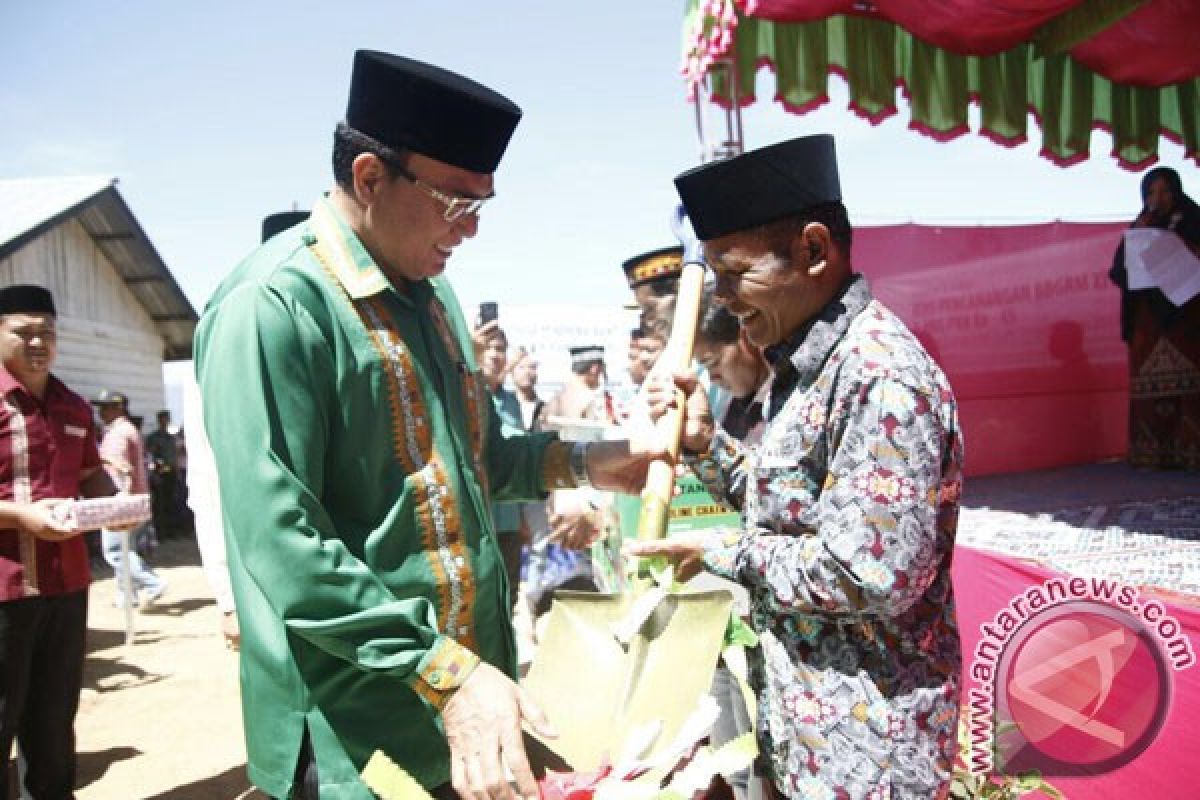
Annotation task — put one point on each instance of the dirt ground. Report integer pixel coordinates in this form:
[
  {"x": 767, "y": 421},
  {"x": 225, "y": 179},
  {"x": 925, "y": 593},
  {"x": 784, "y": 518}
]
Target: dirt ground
[{"x": 161, "y": 718}]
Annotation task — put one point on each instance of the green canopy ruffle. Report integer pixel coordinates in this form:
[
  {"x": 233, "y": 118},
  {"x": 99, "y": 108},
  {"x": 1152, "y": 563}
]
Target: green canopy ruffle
[{"x": 876, "y": 57}]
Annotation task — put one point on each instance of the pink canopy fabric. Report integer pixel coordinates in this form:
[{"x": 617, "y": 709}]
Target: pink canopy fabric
[
  {"x": 1156, "y": 44},
  {"x": 1128, "y": 67}
]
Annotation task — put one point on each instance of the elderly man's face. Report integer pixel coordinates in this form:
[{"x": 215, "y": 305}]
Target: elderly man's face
[
  {"x": 28, "y": 345},
  {"x": 768, "y": 294},
  {"x": 404, "y": 226}
]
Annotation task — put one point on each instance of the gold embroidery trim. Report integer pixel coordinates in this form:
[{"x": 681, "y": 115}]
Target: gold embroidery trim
[
  {"x": 448, "y": 666},
  {"x": 436, "y": 511},
  {"x": 665, "y": 265}
]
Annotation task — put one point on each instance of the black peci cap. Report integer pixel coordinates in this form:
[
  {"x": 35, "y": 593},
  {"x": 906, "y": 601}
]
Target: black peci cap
[
  {"x": 25, "y": 298},
  {"x": 278, "y": 223},
  {"x": 761, "y": 186},
  {"x": 410, "y": 105}
]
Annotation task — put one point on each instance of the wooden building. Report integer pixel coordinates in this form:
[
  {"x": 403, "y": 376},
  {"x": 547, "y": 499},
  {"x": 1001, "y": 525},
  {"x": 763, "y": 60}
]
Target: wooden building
[{"x": 120, "y": 312}]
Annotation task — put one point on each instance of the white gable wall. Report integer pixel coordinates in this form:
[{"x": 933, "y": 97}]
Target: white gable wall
[{"x": 105, "y": 337}]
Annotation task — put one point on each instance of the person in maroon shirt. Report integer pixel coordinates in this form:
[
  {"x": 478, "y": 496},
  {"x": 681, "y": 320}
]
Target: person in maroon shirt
[{"x": 48, "y": 456}]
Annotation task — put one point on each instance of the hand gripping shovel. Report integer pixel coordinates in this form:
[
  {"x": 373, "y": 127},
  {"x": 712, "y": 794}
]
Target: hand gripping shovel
[{"x": 639, "y": 661}]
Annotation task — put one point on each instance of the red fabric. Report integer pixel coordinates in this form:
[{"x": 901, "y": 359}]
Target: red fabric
[
  {"x": 572, "y": 785},
  {"x": 967, "y": 27},
  {"x": 1025, "y": 323},
  {"x": 984, "y": 583},
  {"x": 1155, "y": 45},
  {"x": 62, "y": 443}
]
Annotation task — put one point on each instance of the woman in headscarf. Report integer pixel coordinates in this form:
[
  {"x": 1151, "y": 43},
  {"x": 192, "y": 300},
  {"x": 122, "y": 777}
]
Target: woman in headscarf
[{"x": 1163, "y": 339}]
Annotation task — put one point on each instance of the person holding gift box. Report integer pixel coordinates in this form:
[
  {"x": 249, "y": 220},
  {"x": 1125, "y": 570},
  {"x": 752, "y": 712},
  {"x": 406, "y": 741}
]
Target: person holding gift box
[
  {"x": 358, "y": 456},
  {"x": 849, "y": 501},
  {"x": 48, "y": 457}
]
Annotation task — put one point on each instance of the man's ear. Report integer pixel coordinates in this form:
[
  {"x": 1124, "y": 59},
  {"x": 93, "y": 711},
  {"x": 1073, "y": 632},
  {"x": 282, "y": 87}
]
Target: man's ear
[
  {"x": 369, "y": 173},
  {"x": 811, "y": 247}
]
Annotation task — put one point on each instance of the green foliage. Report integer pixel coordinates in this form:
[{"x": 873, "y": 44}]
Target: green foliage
[{"x": 994, "y": 786}]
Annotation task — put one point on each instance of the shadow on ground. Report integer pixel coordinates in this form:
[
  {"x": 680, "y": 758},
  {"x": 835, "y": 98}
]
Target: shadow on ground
[
  {"x": 90, "y": 767},
  {"x": 178, "y": 608},
  {"x": 106, "y": 638},
  {"x": 114, "y": 675},
  {"x": 232, "y": 784}
]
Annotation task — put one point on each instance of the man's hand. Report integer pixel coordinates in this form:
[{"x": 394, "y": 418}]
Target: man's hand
[
  {"x": 480, "y": 336},
  {"x": 662, "y": 394},
  {"x": 684, "y": 551},
  {"x": 38, "y": 519},
  {"x": 620, "y": 466},
  {"x": 230, "y": 630},
  {"x": 483, "y": 727},
  {"x": 573, "y": 529}
]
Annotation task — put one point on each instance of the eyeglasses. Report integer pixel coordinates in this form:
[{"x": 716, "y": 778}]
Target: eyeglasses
[{"x": 456, "y": 206}]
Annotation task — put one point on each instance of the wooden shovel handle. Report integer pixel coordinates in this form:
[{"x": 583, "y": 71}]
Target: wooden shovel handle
[{"x": 676, "y": 356}]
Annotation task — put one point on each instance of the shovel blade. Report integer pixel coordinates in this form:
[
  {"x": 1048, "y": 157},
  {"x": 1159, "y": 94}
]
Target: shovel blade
[{"x": 596, "y": 691}]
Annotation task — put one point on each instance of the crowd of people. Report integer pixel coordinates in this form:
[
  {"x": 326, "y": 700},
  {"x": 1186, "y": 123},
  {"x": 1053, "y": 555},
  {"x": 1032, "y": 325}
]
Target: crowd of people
[{"x": 379, "y": 481}]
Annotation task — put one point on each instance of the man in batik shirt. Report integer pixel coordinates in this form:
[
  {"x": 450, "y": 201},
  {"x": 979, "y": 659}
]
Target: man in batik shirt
[{"x": 850, "y": 501}]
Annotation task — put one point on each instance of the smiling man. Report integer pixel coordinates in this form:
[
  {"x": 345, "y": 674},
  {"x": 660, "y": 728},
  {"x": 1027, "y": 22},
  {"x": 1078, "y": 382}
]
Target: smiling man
[
  {"x": 359, "y": 454},
  {"x": 850, "y": 500},
  {"x": 48, "y": 456}
]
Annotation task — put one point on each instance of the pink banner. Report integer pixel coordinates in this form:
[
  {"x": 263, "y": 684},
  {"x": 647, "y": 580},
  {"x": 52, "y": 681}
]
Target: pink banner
[
  {"x": 1025, "y": 323},
  {"x": 1097, "y": 687}
]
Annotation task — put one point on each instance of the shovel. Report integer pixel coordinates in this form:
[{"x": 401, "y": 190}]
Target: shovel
[{"x": 642, "y": 659}]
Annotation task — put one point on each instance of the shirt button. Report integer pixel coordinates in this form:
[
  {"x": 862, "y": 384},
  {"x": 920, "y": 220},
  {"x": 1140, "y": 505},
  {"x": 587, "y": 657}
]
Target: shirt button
[
  {"x": 462, "y": 630},
  {"x": 459, "y": 561}
]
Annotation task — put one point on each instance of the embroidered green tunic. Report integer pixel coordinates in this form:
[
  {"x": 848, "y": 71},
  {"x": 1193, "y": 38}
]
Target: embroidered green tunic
[{"x": 358, "y": 454}]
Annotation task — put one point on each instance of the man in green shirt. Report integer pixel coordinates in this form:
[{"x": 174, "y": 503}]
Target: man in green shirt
[{"x": 358, "y": 457}]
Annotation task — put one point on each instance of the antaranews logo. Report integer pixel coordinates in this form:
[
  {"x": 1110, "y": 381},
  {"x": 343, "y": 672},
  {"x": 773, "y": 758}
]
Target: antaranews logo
[{"x": 1072, "y": 677}]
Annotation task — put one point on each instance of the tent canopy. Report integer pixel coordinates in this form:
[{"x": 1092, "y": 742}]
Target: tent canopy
[{"x": 1131, "y": 67}]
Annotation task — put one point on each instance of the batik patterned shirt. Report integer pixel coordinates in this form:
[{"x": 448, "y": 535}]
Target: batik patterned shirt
[{"x": 850, "y": 504}]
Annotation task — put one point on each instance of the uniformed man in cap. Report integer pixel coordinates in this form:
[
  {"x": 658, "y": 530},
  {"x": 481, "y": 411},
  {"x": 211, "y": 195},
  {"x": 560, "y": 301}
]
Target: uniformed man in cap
[
  {"x": 358, "y": 455},
  {"x": 654, "y": 279},
  {"x": 850, "y": 501},
  {"x": 48, "y": 456}
]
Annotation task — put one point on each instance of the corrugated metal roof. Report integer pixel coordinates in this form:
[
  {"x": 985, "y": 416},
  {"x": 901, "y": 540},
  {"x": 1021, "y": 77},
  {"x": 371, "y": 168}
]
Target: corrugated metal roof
[{"x": 31, "y": 206}]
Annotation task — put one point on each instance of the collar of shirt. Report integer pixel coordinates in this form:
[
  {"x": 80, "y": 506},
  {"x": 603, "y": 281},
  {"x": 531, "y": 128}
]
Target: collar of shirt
[
  {"x": 799, "y": 357},
  {"x": 9, "y": 384},
  {"x": 350, "y": 262}
]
